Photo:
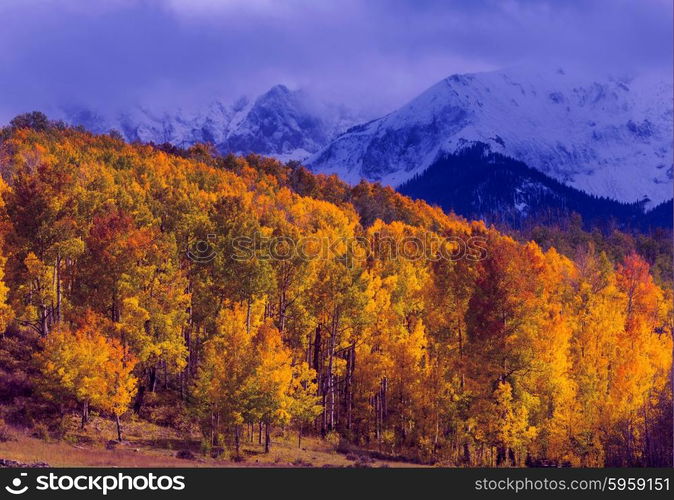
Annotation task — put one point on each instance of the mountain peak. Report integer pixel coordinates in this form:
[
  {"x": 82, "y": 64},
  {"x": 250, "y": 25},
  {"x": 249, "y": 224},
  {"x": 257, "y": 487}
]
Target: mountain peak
[
  {"x": 283, "y": 123},
  {"x": 278, "y": 89},
  {"x": 600, "y": 135}
]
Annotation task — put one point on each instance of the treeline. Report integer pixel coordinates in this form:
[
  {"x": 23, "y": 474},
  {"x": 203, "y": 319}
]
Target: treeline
[
  {"x": 477, "y": 183},
  {"x": 123, "y": 280}
]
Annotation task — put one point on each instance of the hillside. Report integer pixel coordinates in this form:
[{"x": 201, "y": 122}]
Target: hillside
[
  {"x": 220, "y": 297},
  {"x": 479, "y": 184}
]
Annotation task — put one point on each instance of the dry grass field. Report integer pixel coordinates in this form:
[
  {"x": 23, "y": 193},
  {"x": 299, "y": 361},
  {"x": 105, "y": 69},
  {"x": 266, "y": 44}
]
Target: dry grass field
[{"x": 149, "y": 445}]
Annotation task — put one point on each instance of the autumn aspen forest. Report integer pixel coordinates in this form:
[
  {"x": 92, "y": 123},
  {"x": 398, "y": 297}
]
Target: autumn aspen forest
[
  {"x": 244, "y": 236},
  {"x": 237, "y": 300}
]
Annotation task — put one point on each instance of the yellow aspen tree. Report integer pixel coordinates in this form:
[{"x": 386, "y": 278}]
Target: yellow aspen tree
[{"x": 84, "y": 364}]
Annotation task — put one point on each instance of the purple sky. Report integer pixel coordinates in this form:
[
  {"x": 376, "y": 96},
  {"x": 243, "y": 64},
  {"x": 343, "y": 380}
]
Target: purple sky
[{"x": 379, "y": 53}]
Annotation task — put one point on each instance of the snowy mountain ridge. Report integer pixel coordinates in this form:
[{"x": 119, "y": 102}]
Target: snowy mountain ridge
[
  {"x": 610, "y": 137},
  {"x": 286, "y": 124}
]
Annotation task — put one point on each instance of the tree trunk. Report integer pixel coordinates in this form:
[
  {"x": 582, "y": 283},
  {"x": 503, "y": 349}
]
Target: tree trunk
[
  {"x": 331, "y": 378},
  {"x": 317, "y": 351},
  {"x": 140, "y": 396},
  {"x": 119, "y": 428},
  {"x": 320, "y": 377},
  {"x": 436, "y": 436},
  {"x": 85, "y": 413},
  {"x": 267, "y": 438},
  {"x": 282, "y": 310},
  {"x": 44, "y": 320},
  {"x": 462, "y": 377},
  {"x": 57, "y": 279},
  {"x": 384, "y": 404},
  {"x": 152, "y": 385},
  {"x": 500, "y": 455},
  {"x": 212, "y": 429},
  {"x": 299, "y": 437},
  {"x": 350, "y": 366},
  {"x": 248, "y": 315},
  {"x": 466, "y": 453}
]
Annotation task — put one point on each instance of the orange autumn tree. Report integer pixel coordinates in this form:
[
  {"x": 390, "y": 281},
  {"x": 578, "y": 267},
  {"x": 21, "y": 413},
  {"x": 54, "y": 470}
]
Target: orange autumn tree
[
  {"x": 93, "y": 369},
  {"x": 642, "y": 354}
]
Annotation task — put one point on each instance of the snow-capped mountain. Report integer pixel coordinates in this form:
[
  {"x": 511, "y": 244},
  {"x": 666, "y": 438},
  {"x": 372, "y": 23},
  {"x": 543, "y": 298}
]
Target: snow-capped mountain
[
  {"x": 286, "y": 124},
  {"x": 609, "y": 137}
]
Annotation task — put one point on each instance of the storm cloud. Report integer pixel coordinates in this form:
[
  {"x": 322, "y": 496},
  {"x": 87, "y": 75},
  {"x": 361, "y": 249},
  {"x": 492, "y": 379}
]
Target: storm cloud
[{"x": 375, "y": 53}]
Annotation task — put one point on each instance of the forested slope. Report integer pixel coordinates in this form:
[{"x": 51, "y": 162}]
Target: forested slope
[{"x": 254, "y": 293}]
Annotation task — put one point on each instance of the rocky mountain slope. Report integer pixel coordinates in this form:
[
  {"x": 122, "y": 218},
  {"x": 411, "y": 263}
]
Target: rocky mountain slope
[{"x": 609, "y": 137}]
